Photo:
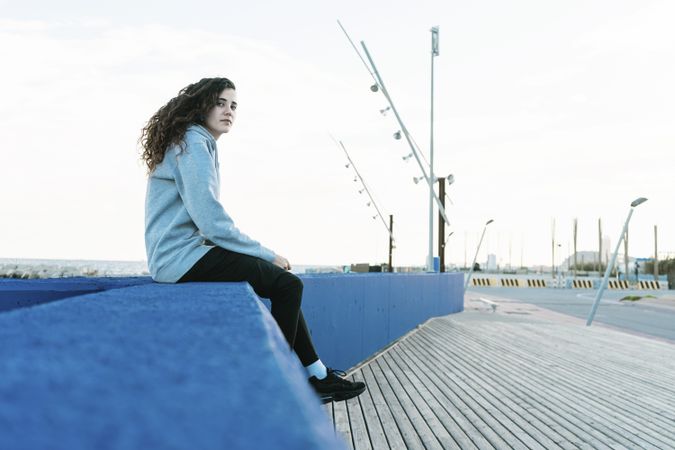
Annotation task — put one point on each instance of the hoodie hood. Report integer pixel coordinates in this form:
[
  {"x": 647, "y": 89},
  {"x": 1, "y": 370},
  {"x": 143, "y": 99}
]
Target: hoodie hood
[{"x": 199, "y": 129}]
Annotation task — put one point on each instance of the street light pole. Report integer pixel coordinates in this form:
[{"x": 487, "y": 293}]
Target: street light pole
[
  {"x": 603, "y": 284},
  {"x": 391, "y": 240},
  {"x": 441, "y": 227},
  {"x": 656, "y": 257},
  {"x": 404, "y": 130},
  {"x": 599, "y": 245},
  {"x": 625, "y": 254},
  {"x": 434, "y": 53},
  {"x": 468, "y": 278},
  {"x": 553, "y": 249},
  {"x": 442, "y": 239}
]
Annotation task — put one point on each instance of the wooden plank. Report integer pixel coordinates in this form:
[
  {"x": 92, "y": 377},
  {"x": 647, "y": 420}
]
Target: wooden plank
[
  {"x": 451, "y": 425},
  {"x": 628, "y": 420},
  {"x": 597, "y": 434},
  {"x": 466, "y": 357},
  {"x": 582, "y": 369},
  {"x": 360, "y": 438},
  {"x": 520, "y": 416},
  {"x": 505, "y": 425},
  {"x": 578, "y": 406},
  {"x": 371, "y": 417},
  {"x": 504, "y": 383},
  {"x": 628, "y": 353},
  {"x": 545, "y": 424},
  {"x": 392, "y": 433},
  {"x": 641, "y": 385},
  {"x": 467, "y": 409},
  {"x": 623, "y": 346},
  {"x": 618, "y": 403},
  {"x": 403, "y": 422},
  {"x": 654, "y": 395},
  {"x": 342, "y": 426},
  {"x": 328, "y": 407},
  {"x": 418, "y": 412}
]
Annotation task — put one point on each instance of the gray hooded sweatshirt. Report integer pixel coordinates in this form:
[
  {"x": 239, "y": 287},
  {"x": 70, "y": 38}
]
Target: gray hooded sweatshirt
[{"x": 184, "y": 218}]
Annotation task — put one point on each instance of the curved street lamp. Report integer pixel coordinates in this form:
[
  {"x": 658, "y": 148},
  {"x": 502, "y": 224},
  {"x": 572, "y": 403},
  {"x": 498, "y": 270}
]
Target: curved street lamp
[
  {"x": 468, "y": 278},
  {"x": 449, "y": 179},
  {"x": 610, "y": 266}
]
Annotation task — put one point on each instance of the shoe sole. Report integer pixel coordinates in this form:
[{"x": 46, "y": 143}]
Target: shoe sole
[{"x": 340, "y": 396}]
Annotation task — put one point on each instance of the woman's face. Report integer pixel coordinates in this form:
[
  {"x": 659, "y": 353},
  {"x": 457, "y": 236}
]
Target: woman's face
[{"x": 221, "y": 117}]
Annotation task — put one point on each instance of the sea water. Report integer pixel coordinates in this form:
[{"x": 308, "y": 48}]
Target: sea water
[{"x": 58, "y": 268}]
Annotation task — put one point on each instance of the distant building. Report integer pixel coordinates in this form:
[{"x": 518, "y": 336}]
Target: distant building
[
  {"x": 583, "y": 257},
  {"x": 491, "y": 263}
]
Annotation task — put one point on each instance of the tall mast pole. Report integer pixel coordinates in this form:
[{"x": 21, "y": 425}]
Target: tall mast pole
[{"x": 432, "y": 180}]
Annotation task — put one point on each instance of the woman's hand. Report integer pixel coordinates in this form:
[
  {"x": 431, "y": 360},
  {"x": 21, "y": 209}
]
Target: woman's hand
[{"x": 281, "y": 262}]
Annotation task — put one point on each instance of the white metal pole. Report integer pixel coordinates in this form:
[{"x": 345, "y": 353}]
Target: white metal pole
[
  {"x": 605, "y": 279},
  {"x": 603, "y": 284},
  {"x": 404, "y": 130},
  {"x": 430, "y": 257},
  {"x": 468, "y": 278},
  {"x": 380, "y": 84}
]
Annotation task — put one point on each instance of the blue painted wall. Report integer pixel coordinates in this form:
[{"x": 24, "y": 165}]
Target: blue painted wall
[{"x": 352, "y": 316}]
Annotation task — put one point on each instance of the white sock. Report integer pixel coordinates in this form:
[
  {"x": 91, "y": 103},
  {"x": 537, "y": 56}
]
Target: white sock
[{"x": 317, "y": 369}]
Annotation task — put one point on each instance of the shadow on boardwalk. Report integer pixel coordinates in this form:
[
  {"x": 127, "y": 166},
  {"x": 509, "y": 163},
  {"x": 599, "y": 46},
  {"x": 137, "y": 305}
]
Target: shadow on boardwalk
[{"x": 519, "y": 378}]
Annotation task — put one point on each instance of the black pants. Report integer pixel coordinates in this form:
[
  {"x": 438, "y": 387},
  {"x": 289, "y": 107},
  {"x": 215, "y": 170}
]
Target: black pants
[{"x": 267, "y": 280}]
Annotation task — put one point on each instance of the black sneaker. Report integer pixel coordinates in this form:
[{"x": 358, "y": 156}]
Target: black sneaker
[{"x": 334, "y": 388}]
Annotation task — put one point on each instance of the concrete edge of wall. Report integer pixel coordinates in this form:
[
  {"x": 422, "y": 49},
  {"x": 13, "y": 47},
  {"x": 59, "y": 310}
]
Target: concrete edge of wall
[
  {"x": 16, "y": 293},
  {"x": 154, "y": 366},
  {"x": 350, "y": 316}
]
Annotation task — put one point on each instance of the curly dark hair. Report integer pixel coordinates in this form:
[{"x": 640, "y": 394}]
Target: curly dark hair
[{"x": 168, "y": 125}]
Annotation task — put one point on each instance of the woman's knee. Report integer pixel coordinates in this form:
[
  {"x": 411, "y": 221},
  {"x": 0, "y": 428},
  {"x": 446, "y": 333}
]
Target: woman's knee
[
  {"x": 296, "y": 282},
  {"x": 292, "y": 283}
]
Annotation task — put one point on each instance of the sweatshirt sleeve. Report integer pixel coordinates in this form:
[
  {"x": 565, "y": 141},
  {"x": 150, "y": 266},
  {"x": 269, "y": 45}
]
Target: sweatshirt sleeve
[{"x": 197, "y": 183}]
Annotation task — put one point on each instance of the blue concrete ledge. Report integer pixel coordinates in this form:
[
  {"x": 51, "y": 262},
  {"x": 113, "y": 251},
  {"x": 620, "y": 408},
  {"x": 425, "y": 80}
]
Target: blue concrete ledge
[
  {"x": 191, "y": 366},
  {"x": 23, "y": 293},
  {"x": 127, "y": 363}
]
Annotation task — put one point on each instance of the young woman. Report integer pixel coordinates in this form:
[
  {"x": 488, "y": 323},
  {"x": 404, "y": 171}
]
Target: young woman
[{"x": 190, "y": 237}]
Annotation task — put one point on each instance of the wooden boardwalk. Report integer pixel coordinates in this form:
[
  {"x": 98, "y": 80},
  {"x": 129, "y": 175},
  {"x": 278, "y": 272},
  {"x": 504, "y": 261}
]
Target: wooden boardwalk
[{"x": 519, "y": 378}]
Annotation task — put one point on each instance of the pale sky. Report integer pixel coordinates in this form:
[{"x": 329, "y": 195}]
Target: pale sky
[{"x": 543, "y": 111}]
